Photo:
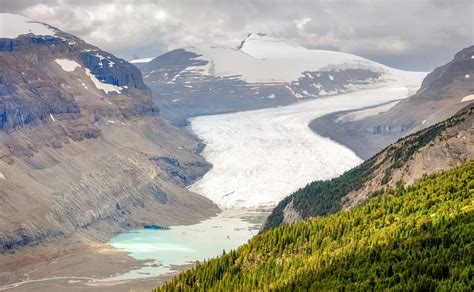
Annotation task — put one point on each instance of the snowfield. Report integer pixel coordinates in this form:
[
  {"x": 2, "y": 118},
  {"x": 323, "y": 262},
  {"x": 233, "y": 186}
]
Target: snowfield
[
  {"x": 261, "y": 156},
  {"x": 13, "y": 25},
  {"x": 468, "y": 98},
  {"x": 142, "y": 60},
  {"x": 67, "y": 65},
  {"x": 260, "y": 59}
]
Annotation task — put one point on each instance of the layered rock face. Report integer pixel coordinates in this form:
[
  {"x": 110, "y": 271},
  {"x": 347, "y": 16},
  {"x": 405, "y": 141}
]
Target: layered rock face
[{"x": 81, "y": 145}]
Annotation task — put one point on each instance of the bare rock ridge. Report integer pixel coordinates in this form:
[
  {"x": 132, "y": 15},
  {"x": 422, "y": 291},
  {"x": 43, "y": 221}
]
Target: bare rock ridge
[
  {"x": 84, "y": 152},
  {"x": 443, "y": 92}
]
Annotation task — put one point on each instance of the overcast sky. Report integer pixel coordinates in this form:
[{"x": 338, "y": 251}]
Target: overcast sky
[{"x": 407, "y": 34}]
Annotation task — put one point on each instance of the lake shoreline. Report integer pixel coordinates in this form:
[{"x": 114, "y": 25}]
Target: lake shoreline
[{"x": 167, "y": 250}]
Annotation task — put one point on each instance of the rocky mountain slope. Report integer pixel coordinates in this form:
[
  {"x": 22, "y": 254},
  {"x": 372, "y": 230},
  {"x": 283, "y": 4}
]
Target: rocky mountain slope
[
  {"x": 215, "y": 79},
  {"x": 83, "y": 149},
  {"x": 439, "y": 147},
  {"x": 443, "y": 92}
]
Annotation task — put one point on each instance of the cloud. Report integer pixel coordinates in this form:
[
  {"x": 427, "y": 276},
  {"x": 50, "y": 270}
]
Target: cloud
[
  {"x": 402, "y": 33},
  {"x": 300, "y": 23}
]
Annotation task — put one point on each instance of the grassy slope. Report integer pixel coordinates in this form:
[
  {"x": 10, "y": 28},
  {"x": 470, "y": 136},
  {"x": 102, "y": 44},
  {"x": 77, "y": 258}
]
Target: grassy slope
[{"x": 418, "y": 237}]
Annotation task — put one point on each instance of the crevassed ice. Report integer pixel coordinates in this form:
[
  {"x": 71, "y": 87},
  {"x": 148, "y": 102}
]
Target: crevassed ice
[{"x": 261, "y": 156}]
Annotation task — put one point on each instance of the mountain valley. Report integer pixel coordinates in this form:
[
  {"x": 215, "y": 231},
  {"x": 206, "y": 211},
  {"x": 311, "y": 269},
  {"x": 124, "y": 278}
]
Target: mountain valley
[{"x": 267, "y": 165}]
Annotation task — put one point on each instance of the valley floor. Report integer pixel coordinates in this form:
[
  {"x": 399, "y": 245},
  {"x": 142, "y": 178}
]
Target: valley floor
[{"x": 139, "y": 260}]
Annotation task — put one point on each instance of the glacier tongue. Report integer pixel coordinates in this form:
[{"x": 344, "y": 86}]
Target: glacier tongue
[{"x": 261, "y": 156}]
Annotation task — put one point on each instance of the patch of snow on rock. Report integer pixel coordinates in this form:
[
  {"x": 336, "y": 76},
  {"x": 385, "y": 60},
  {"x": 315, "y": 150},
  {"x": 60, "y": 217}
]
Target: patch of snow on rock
[
  {"x": 52, "y": 117},
  {"x": 104, "y": 86},
  {"x": 142, "y": 60},
  {"x": 468, "y": 98},
  {"x": 67, "y": 65},
  {"x": 2, "y": 176},
  {"x": 260, "y": 59},
  {"x": 297, "y": 95}
]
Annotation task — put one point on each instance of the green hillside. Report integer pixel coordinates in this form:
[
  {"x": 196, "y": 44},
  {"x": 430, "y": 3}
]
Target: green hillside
[
  {"x": 420, "y": 237},
  {"x": 321, "y": 198}
]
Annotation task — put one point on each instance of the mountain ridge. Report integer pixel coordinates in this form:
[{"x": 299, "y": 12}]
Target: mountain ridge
[
  {"x": 443, "y": 92},
  {"x": 204, "y": 80},
  {"x": 84, "y": 152}
]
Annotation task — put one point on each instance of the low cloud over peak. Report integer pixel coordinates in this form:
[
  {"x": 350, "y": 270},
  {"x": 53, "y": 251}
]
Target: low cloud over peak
[{"x": 417, "y": 35}]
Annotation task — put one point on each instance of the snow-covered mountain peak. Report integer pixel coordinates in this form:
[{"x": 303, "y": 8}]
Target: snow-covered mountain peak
[
  {"x": 264, "y": 71},
  {"x": 14, "y": 25},
  {"x": 265, "y": 59},
  {"x": 262, "y": 46}
]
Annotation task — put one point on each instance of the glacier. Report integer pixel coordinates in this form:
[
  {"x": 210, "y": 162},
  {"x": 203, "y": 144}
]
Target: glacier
[{"x": 261, "y": 156}]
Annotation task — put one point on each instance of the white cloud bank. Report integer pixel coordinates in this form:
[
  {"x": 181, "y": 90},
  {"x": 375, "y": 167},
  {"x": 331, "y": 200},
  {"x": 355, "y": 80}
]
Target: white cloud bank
[{"x": 409, "y": 34}]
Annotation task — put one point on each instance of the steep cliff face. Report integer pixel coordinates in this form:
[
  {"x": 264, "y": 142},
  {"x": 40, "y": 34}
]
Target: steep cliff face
[
  {"x": 80, "y": 137},
  {"x": 440, "y": 147}
]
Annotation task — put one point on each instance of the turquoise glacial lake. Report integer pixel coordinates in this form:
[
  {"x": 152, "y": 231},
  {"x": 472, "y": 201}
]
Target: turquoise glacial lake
[{"x": 166, "y": 250}]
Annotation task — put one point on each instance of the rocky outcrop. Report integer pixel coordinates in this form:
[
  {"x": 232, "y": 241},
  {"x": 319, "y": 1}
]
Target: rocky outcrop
[
  {"x": 290, "y": 214},
  {"x": 182, "y": 174}
]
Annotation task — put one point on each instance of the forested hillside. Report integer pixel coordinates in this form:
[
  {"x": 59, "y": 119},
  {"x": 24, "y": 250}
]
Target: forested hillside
[
  {"x": 438, "y": 147},
  {"x": 412, "y": 238}
]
